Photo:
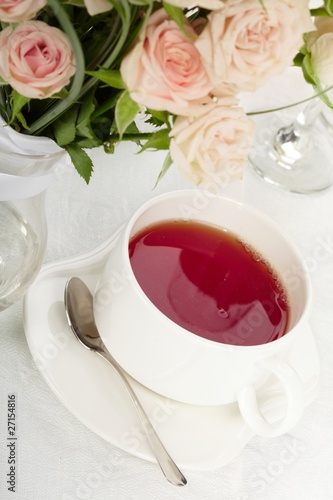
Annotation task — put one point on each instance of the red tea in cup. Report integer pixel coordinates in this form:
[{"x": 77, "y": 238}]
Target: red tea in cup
[{"x": 210, "y": 282}]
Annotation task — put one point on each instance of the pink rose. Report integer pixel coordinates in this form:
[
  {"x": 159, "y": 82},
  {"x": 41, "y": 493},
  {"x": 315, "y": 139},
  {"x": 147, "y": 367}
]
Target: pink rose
[
  {"x": 97, "y": 6},
  {"x": 164, "y": 70},
  {"x": 212, "y": 148},
  {"x": 15, "y": 11},
  {"x": 36, "y": 59},
  {"x": 246, "y": 43}
]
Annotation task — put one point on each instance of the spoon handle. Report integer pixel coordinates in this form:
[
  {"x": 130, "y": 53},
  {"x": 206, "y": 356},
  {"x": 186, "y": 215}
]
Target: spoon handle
[{"x": 167, "y": 465}]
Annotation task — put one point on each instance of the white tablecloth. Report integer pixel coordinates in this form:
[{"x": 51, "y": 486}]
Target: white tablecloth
[{"x": 60, "y": 459}]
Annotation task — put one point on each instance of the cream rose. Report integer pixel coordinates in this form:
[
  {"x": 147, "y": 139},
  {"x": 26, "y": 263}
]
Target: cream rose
[
  {"x": 212, "y": 148},
  {"x": 245, "y": 43},
  {"x": 97, "y": 6},
  {"x": 164, "y": 71},
  {"x": 36, "y": 59},
  {"x": 15, "y": 11},
  {"x": 320, "y": 45}
]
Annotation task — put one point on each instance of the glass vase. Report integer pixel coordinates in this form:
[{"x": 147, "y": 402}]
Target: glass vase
[{"x": 24, "y": 179}]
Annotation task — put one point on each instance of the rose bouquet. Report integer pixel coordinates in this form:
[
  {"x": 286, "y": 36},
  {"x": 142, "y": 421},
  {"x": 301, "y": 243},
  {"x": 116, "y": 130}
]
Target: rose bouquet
[{"x": 81, "y": 71}]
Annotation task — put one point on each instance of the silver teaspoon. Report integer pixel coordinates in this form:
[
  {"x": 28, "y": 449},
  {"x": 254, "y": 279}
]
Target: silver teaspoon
[{"x": 80, "y": 314}]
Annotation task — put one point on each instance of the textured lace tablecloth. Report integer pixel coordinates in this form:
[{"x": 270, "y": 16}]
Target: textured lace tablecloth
[{"x": 60, "y": 459}]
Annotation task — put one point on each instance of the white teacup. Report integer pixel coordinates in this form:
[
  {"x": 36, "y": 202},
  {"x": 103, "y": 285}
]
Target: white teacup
[{"x": 180, "y": 365}]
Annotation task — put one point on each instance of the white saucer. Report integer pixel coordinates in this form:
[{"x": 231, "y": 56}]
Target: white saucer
[{"x": 197, "y": 437}]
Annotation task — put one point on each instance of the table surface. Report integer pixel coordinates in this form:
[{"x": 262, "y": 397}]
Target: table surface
[{"x": 60, "y": 459}]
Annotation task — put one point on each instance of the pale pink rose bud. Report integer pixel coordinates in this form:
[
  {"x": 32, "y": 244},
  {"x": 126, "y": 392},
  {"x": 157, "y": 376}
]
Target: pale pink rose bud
[
  {"x": 164, "y": 70},
  {"x": 212, "y": 148},
  {"x": 36, "y": 59},
  {"x": 15, "y": 11},
  {"x": 320, "y": 45}
]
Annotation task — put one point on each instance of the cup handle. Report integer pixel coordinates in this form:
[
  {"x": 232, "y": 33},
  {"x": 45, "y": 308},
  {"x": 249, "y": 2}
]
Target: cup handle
[{"x": 294, "y": 396}]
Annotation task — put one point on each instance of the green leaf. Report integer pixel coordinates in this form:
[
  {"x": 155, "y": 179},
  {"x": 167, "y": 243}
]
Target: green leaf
[
  {"x": 308, "y": 70},
  {"x": 17, "y": 103},
  {"x": 22, "y": 120},
  {"x": 62, "y": 94},
  {"x": 158, "y": 117},
  {"x": 298, "y": 60},
  {"x": 166, "y": 165},
  {"x": 83, "y": 125},
  {"x": 311, "y": 78},
  {"x": 304, "y": 49},
  {"x": 158, "y": 140},
  {"x": 109, "y": 76},
  {"x": 319, "y": 12},
  {"x": 89, "y": 143},
  {"x": 132, "y": 129},
  {"x": 81, "y": 161},
  {"x": 105, "y": 106},
  {"x": 329, "y": 6},
  {"x": 125, "y": 112},
  {"x": 177, "y": 15},
  {"x": 64, "y": 127}
]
